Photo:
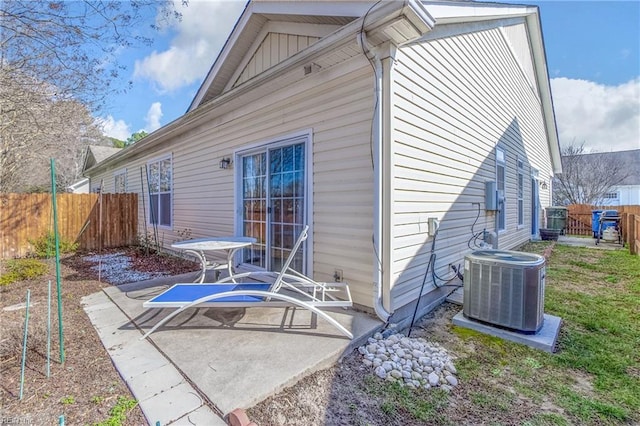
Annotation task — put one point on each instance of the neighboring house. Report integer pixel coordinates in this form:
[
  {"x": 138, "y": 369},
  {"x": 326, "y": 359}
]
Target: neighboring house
[
  {"x": 627, "y": 192},
  {"x": 96, "y": 154},
  {"x": 79, "y": 187},
  {"x": 366, "y": 121},
  {"x": 589, "y": 178}
]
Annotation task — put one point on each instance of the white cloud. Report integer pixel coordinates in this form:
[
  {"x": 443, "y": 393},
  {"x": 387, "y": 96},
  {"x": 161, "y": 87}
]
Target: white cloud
[
  {"x": 114, "y": 128},
  {"x": 605, "y": 118},
  {"x": 153, "y": 117},
  {"x": 200, "y": 35}
]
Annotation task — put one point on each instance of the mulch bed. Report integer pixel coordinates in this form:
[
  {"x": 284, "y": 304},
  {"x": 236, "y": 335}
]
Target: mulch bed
[{"x": 86, "y": 386}]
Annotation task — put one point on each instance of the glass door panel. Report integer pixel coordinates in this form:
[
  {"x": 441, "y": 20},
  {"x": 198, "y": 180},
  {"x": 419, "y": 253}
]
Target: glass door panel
[
  {"x": 273, "y": 200},
  {"x": 254, "y": 200},
  {"x": 286, "y": 195}
]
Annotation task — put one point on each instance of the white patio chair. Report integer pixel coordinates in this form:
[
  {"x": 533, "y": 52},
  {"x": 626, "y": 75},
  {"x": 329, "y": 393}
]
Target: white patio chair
[{"x": 303, "y": 292}]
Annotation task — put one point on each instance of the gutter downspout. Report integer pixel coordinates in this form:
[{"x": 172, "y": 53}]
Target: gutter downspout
[{"x": 376, "y": 143}]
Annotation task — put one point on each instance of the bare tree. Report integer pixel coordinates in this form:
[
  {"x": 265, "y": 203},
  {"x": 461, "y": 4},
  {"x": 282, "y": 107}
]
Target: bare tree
[
  {"x": 54, "y": 57},
  {"x": 38, "y": 128},
  {"x": 74, "y": 45},
  {"x": 587, "y": 177}
]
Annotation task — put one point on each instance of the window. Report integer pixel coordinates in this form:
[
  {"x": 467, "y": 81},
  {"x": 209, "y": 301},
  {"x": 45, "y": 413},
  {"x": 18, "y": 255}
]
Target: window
[
  {"x": 160, "y": 191},
  {"x": 520, "y": 192},
  {"x": 120, "y": 181},
  {"x": 501, "y": 186},
  {"x": 610, "y": 196}
]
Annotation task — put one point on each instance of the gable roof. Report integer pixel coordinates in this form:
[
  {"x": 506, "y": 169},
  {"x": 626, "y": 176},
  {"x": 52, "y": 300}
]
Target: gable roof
[
  {"x": 399, "y": 22},
  {"x": 258, "y": 14},
  {"x": 96, "y": 154},
  {"x": 252, "y": 27}
]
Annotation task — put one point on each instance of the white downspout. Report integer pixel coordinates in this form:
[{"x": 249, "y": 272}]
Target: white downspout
[{"x": 378, "y": 305}]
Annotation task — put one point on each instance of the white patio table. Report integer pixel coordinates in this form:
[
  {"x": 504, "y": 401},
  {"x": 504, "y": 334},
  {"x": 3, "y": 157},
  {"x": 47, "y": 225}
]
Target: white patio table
[{"x": 198, "y": 247}]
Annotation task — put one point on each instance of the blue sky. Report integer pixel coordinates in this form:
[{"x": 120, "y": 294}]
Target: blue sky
[
  {"x": 593, "y": 57},
  {"x": 595, "y": 41}
]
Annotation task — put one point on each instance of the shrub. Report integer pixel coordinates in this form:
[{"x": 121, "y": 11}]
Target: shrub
[
  {"x": 22, "y": 269},
  {"x": 45, "y": 246},
  {"x": 147, "y": 243}
]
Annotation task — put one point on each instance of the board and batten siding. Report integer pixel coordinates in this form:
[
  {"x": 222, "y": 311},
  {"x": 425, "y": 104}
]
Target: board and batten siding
[
  {"x": 336, "y": 104},
  {"x": 275, "y": 48},
  {"x": 455, "y": 100}
]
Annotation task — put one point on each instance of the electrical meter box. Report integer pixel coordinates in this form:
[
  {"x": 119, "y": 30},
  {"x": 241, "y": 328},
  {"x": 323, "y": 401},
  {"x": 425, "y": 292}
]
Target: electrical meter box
[{"x": 490, "y": 195}]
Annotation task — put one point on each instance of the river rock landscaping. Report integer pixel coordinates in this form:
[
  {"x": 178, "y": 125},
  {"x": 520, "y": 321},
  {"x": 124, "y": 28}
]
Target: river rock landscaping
[{"x": 410, "y": 362}]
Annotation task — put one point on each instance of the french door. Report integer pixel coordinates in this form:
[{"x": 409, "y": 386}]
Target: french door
[{"x": 274, "y": 202}]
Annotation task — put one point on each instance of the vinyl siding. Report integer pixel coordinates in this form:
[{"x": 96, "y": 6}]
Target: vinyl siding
[
  {"x": 455, "y": 100},
  {"x": 337, "y": 106}
]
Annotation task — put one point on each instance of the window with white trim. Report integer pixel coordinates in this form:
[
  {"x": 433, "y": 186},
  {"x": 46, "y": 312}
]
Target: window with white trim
[
  {"x": 120, "y": 181},
  {"x": 610, "y": 196},
  {"x": 160, "y": 191},
  {"x": 520, "y": 191},
  {"x": 501, "y": 187}
]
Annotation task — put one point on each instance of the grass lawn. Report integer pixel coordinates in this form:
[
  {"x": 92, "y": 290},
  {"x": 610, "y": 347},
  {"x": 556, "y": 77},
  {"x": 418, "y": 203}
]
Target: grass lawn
[{"x": 593, "y": 378}]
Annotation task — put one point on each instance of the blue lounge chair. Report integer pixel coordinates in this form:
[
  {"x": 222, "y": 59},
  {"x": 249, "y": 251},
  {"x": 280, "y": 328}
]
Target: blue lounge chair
[{"x": 300, "y": 291}]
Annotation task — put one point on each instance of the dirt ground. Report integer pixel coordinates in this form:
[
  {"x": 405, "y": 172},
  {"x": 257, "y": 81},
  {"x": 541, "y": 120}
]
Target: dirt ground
[
  {"x": 344, "y": 394},
  {"x": 85, "y": 387}
]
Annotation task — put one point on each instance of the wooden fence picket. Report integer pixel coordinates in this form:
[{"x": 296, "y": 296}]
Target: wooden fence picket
[
  {"x": 25, "y": 217},
  {"x": 579, "y": 220}
]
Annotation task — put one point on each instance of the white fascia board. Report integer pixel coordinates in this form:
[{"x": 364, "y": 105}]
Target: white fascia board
[
  {"x": 222, "y": 56},
  {"x": 534, "y": 27},
  {"x": 78, "y": 184},
  {"x": 420, "y": 16},
  {"x": 450, "y": 30},
  {"x": 455, "y": 12},
  {"x": 313, "y": 8}
]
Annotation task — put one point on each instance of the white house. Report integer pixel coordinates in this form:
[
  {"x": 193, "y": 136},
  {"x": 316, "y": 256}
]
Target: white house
[
  {"x": 95, "y": 154},
  {"x": 369, "y": 121},
  {"x": 627, "y": 192}
]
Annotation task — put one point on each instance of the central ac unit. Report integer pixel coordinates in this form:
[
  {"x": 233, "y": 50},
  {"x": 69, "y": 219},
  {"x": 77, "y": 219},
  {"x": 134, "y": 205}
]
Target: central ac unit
[{"x": 505, "y": 288}]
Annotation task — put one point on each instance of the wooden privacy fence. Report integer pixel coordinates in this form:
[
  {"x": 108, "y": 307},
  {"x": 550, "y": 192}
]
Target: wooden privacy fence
[
  {"x": 93, "y": 221},
  {"x": 579, "y": 220}
]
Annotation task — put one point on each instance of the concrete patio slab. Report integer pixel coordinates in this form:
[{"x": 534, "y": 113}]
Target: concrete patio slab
[
  {"x": 149, "y": 375},
  {"x": 545, "y": 339},
  {"x": 569, "y": 240},
  {"x": 146, "y": 383},
  {"x": 173, "y": 404},
  {"x": 227, "y": 358}
]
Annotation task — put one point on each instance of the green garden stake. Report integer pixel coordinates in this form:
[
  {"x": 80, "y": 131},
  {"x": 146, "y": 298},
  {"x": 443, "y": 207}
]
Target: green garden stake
[
  {"x": 57, "y": 243},
  {"x": 24, "y": 343},
  {"x": 49, "y": 330}
]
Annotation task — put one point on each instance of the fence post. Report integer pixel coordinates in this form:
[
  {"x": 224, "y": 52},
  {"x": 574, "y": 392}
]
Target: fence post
[
  {"x": 627, "y": 229},
  {"x": 633, "y": 233}
]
